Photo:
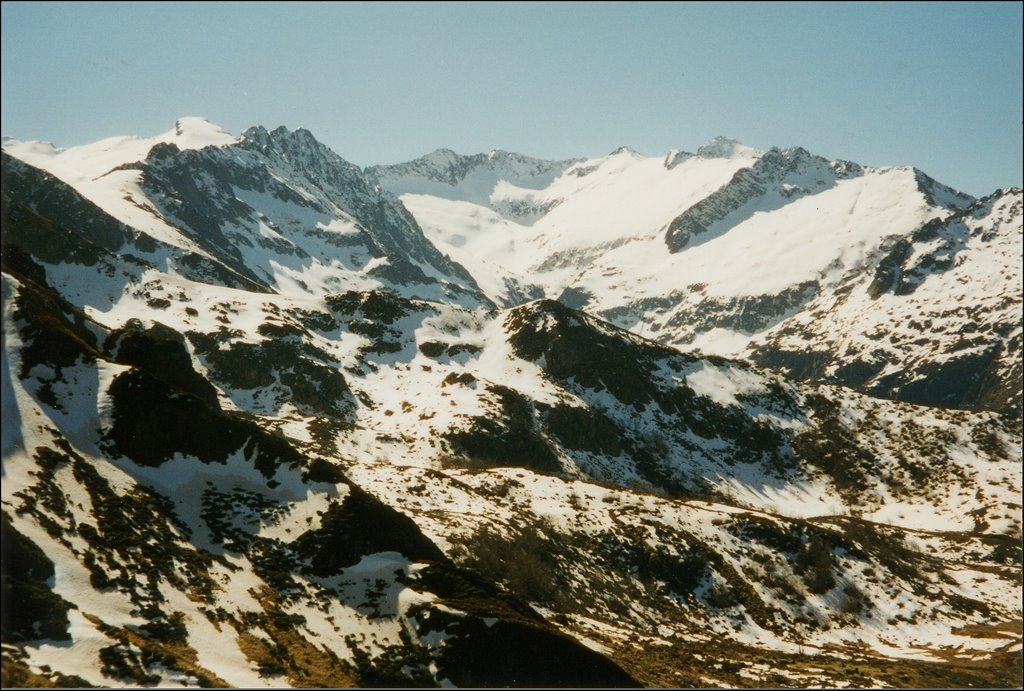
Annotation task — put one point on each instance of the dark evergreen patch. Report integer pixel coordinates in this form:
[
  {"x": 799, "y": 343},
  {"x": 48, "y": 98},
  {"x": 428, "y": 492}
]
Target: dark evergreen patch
[
  {"x": 519, "y": 649},
  {"x": 583, "y": 429},
  {"x": 462, "y": 378},
  {"x": 511, "y": 653},
  {"x": 833, "y": 448},
  {"x": 405, "y": 665},
  {"x": 805, "y": 365},
  {"x": 135, "y": 543},
  {"x": 54, "y": 331},
  {"x": 592, "y": 358},
  {"x": 152, "y": 421},
  {"x": 432, "y": 349},
  {"x": 507, "y": 437},
  {"x": 680, "y": 572},
  {"x": 160, "y": 351},
  {"x": 323, "y": 471},
  {"x": 885, "y": 546},
  {"x": 971, "y": 380},
  {"x": 233, "y": 516},
  {"x": 376, "y": 305},
  {"x": 471, "y": 591},
  {"x": 435, "y": 349},
  {"x": 241, "y": 365},
  {"x": 314, "y": 320},
  {"x": 459, "y": 348},
  {"x": 121, "y": 662},
  {"x": 16, "y": 261},
  {"x": 315, "y": 383},
  {"x": 16, "y": 674},
  {"x": 280, "y": 330},
  {"x": 29, "y": 609},
  {"x": 783, "y": 538},
  {"x": 524, "y": 562},
  {"x": 809, "y": 548},
  {"x": 361, "y": 525}
]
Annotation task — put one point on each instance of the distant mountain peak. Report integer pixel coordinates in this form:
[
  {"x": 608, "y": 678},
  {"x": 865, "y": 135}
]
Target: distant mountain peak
[
  {"x": 194, "y": 123},
  {"x": 193, "y": 132},
  {"x": 724, "y": 147},
  {"x": 261, "y": 133},
  {"x": 443, "y": 156},
  {"x": 626, "y": 150},
  {"x": 473, "y": 177}
]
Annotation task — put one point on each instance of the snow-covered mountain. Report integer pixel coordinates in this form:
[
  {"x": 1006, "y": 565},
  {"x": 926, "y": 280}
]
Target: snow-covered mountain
[
  {"x": 732, "y": 250},
  {"x": 937, "y": 321},
  {"x": 277, "y": 209},
  {"x": 261, "y": 429},
  {"x": 499, "y": 180}
]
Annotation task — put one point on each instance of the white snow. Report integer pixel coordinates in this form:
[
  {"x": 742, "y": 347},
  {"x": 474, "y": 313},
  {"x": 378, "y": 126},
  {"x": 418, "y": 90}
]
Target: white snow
[{"x": 722, "y": 384}]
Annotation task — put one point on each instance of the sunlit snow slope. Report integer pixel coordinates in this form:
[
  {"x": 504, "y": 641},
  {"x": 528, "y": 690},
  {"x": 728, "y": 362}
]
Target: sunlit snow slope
[{"x": 727, "y": 249}]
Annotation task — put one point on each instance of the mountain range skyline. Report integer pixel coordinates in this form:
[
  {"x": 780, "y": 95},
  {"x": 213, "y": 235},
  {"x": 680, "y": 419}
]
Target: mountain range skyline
[{"x": 387, "y": 82}]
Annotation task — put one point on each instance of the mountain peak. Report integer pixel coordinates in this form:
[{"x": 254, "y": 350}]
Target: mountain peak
[
  {"x": 262, "y": 135},
  {"x": 625, "y": 150},
  {"x": 442, "y": 155},
  {"x": 192, "y": 132},
  {"x": 724, "y": 147}
]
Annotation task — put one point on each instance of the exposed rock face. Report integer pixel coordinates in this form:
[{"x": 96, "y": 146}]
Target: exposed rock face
[
  {"x": 67, "y": 228},
  {"x": 937, "y": 323},
  {"x": 217, "y": 196},
  {"x": 475, "y": 178},
  {"x": 52, "y": 219},
  {"x": 774, "y": 178}
]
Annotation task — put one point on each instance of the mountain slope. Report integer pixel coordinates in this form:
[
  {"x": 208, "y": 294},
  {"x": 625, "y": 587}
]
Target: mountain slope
[
  {"x": 483, "y": 179},
  {"x": 223, "y": 468},
  {"x": 937, "y": 322},
  {"x": 253, "y": 512},
  {"x": 728, "y": 249},
  {"x": 467, "y": 198},
  {"x": 188, "y": 544},
  {"x": 277, "y": 208}
]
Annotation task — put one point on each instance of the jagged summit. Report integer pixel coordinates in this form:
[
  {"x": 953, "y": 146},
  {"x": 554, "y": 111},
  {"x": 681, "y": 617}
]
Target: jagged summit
[
  {"x": 284, "y": 139},
  {"x": 625, "y": 150},
  {"x": 275, "y": 207},
  {"x": 724, "y": 147}
]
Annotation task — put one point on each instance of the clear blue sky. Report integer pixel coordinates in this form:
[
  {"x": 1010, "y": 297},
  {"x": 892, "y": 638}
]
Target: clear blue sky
[{"x": 935, "y": 85}]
